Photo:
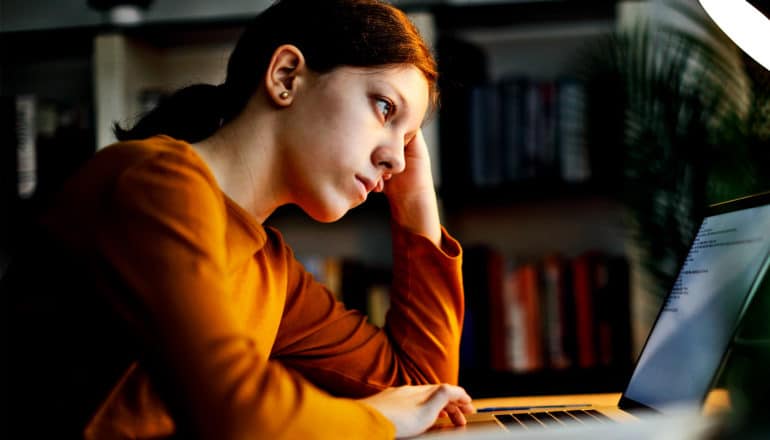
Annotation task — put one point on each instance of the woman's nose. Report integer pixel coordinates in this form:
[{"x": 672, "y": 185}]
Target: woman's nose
[{"x": 390, "y": 157}]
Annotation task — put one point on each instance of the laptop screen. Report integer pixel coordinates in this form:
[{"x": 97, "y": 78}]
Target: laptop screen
[{"x": 685, "y": 348}]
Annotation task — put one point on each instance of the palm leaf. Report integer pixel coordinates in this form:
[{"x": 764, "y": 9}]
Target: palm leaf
[{"x": 667, "y": 112}]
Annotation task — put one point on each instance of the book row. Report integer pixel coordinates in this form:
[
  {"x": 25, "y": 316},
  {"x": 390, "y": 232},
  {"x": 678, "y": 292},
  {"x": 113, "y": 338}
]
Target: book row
[
  {"x": 551, "y": 314},
  {"x": 518, "y": 129},
  {"x": 360, "y": 285},
  {"x": 555, "y": 313},
  {"x": 41, "y": 143}
]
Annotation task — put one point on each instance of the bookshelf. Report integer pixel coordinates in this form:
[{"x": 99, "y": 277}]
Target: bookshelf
[
  {"x": 532, "y": 208},
  {"x": 52, "y": 72},
  {"x": 114, "y": 70}
]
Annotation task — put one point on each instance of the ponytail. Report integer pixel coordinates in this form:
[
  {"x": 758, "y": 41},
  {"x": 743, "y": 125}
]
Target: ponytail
[{"x": 190, "y": 114}]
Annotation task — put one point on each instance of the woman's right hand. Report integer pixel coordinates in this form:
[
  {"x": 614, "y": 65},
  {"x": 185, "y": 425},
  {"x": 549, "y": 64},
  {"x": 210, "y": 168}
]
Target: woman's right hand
[{"x": 413, "y": 409}]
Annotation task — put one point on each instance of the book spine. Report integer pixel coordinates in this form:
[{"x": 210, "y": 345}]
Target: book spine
[
  {"x": 26, "y": 147},
  {"x": 570, "y": 131},
  {"x": 512, "y": 124},
  {"x": 584, "y": 311},
  {"x": 520, "y": 354},
  {"x": 534, "y": 319},
  {"x": 527, "y": 320},
  {"x": 475, "y": 351},
  {"x": 553, "y": 311},
  {"x": 546, "y": 119},
  {"x": 378, "y": 304},
  {"x": 497, "y": 330},
  {"x": 484, "y": 129}
]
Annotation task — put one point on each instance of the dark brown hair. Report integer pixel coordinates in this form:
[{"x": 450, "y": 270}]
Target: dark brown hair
[{"x": 330, "y": 34}]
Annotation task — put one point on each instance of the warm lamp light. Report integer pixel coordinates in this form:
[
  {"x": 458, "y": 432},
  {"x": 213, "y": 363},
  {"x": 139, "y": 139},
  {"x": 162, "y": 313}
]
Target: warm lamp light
[{"x": 746, "y": 23}]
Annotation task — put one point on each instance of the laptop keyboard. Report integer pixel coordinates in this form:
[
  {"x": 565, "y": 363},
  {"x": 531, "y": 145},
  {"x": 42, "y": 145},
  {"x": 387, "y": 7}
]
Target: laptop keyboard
[{"x": 547, "y": 419}]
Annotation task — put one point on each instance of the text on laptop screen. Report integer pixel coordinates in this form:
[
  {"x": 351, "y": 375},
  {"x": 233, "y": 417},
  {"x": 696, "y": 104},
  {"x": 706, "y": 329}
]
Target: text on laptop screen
[{"x": 693, "y": 331}]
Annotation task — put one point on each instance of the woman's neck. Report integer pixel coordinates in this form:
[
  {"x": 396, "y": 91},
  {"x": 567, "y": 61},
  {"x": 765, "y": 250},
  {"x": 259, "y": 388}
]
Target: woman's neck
[{"x": 243, "y": 159}]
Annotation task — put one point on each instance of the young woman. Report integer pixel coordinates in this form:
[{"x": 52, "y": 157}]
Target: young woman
[{"x": 178, "y": 314}]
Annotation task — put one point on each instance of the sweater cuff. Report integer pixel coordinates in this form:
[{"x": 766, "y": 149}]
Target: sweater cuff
[
  {"x": 388, "y": 428},
  {"x": 418, "y": 244}
]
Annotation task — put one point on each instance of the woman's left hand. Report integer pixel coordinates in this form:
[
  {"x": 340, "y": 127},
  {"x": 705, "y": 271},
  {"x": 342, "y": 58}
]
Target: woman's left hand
[
  {"x": 417, "y": 176},
  {"x": 413, "y": 409},
  {"x": 411, "y": 193}
]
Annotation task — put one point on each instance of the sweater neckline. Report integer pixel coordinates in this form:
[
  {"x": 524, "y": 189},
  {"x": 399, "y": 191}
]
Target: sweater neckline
[{"x": 250, "y": 224}]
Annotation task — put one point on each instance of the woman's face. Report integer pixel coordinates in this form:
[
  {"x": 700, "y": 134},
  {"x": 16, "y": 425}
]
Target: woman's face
[{"x": 347, "y": 129}]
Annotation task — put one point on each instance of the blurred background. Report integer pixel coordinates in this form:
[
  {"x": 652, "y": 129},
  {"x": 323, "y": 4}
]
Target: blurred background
[{"x": 576, "y": 145}]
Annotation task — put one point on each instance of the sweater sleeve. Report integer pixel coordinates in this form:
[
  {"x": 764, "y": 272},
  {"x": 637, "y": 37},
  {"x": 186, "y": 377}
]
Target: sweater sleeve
[
  {"x": 165, "y": 239},
  {"x": 341, "y": 352}
]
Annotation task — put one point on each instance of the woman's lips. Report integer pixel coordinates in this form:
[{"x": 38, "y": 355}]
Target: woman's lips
[{"x": 366, "y": 185}]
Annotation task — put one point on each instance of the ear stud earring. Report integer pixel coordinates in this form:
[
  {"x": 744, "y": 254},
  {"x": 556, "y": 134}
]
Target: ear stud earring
[{"x": 284, "y": 94}]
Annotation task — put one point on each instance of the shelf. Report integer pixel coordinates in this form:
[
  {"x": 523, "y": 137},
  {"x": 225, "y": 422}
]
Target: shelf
[
  {"x": 32, "y": 46},
  {"x": 188, "y": 33},
  {"x": 521, "y": 192},
  {"x": 467, "y": 15}
]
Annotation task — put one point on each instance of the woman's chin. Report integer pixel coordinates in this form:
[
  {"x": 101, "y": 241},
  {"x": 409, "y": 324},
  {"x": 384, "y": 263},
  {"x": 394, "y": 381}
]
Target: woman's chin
[{"x": 328, "y": 214}]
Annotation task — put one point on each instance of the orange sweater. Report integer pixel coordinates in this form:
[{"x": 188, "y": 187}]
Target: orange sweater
[{"x": 226, "y": 334}]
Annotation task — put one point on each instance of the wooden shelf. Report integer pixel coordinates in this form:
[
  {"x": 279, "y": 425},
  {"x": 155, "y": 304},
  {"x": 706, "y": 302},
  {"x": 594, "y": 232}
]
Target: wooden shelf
[
  {"x": 456, "y": 16},
  {"x": 521, "y": 192}
]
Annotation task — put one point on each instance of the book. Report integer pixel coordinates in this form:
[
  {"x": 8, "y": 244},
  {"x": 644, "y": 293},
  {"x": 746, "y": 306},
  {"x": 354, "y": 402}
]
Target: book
[
  {"x": 325, "y": 269},
  {"x": 463, "y": 65},
  {"x": 496, "y": 323},
  {"x": 332, "y": 276},
  {"x": 9, "y": 186},
  {"x": 481, "y": 280},
  {"x": 359, "y": 285},
  {"x": 18, "y": 171},
  {"x": 612, "y": 310},
  {"x": 484, "y": 132},
  {"x": 547, "y": 155},
  {"x": 574, "y": 164},
  {"x": 26, "y": 146},
  {"x": 378, "y": 303},
  {"x": 512, "y": 127},
  {"x": 583, "y": 285},
  {"x": 551, "y": 313},
  {"x": 513, "y": 323},
  {"x": 526, "y": 353},
  {"x": 555, "y": 310},
  {"x": 602, "y": 310}
]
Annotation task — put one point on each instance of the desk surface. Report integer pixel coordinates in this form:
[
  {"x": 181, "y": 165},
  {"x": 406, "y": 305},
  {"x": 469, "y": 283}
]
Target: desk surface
[{"x": 716, "y": 402}]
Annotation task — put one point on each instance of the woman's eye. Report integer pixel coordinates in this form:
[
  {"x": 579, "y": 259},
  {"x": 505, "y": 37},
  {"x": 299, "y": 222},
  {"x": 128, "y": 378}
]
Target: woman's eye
[{"x": 385, "y": 107}]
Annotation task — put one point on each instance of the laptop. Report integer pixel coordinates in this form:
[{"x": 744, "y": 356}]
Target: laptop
[{"x": 690, "y": 339}]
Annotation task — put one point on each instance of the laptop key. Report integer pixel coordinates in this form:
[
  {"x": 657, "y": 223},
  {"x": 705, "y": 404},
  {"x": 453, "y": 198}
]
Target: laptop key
[
  {"x": 582, "y": 415},
  {"x": 545, "y": 418},
  {"x": 528, "y": 420},
  {"x": 508, "y": 421},
  {"x": 563, "y": 416},
  {"x": 601, "y": 417}
]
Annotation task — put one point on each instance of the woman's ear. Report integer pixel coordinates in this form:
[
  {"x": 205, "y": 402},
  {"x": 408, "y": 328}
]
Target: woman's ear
[{"x": 284, "y": 73}]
